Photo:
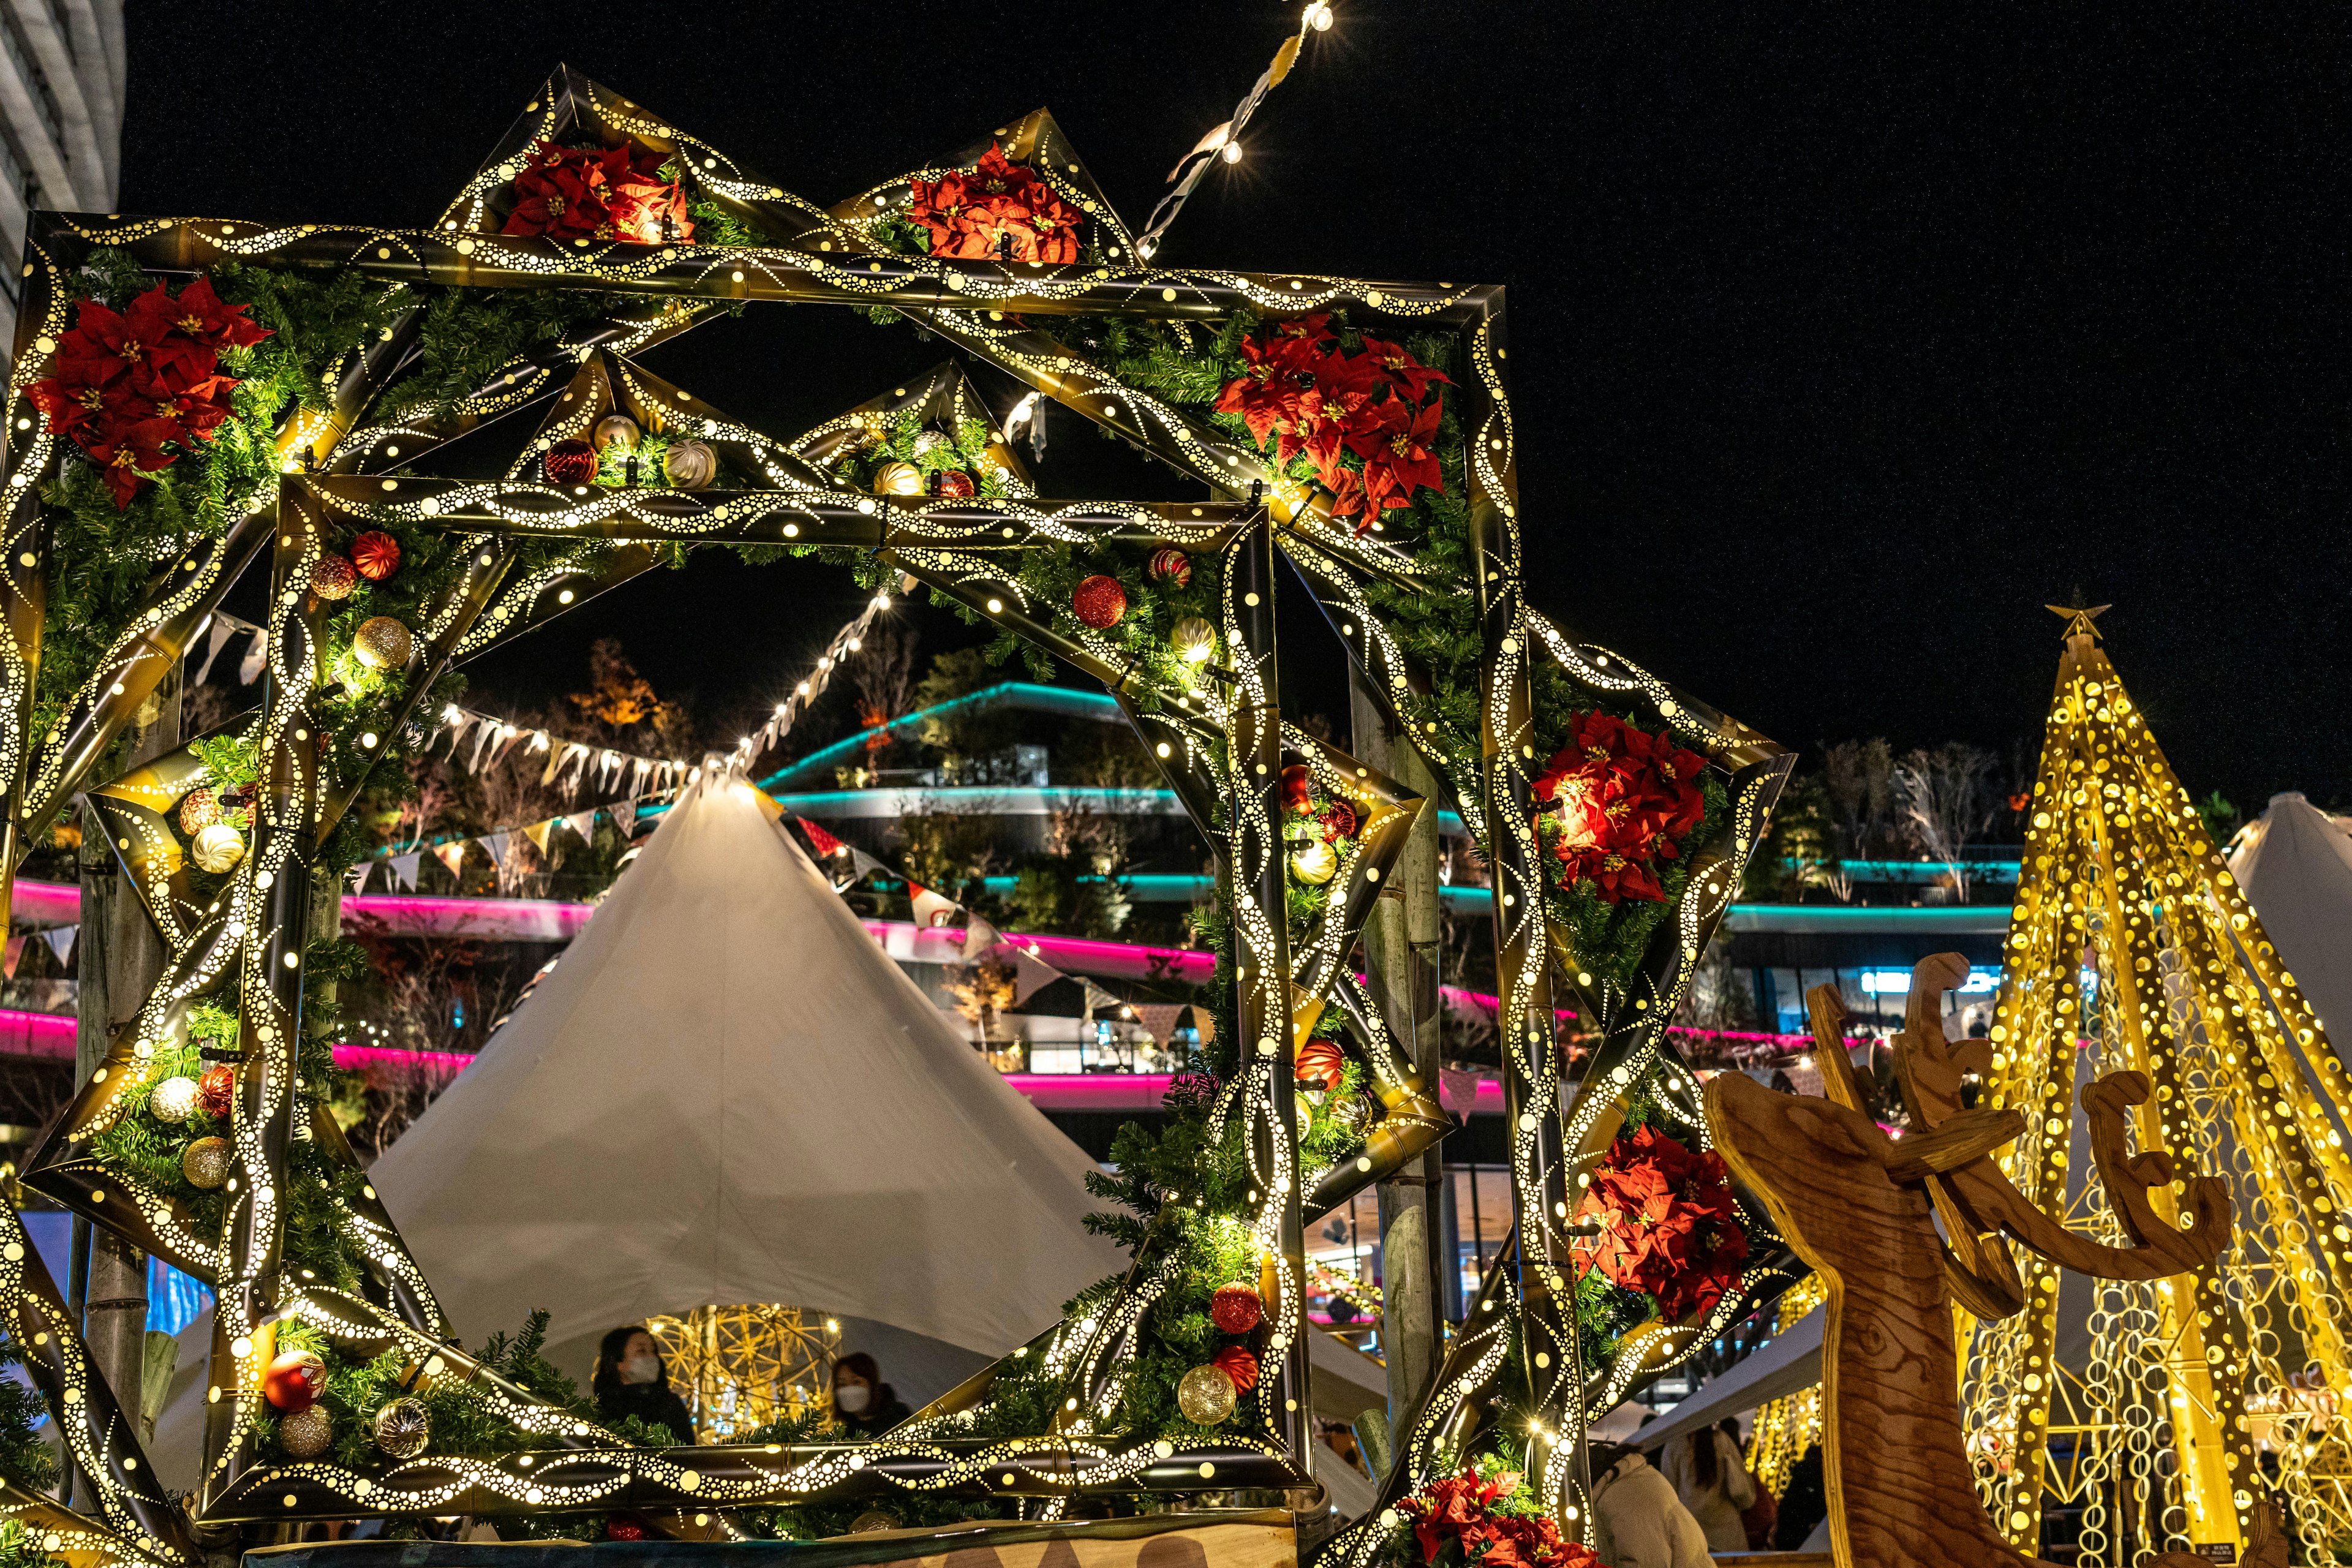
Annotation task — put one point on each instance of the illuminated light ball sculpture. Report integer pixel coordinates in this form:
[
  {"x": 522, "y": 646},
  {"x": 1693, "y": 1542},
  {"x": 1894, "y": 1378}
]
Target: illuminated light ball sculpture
[
  {"x": 899, "y": 479},
  {"x": 402, "y": 1428},
  {"x": 376, "y": 555},
  {"x": 1098, "y": 602},
  {"x": 1194, "y": 640},
  {"x": 173, "y": 1100},
  {"x": 333, "y": 577},
  {"x": 216, "y": 1091},
  {"x": 616, "y": 431},
  {"x": 1235, "y": 1308},
  {"x": 307, "y": 1433},
  {"x": 1173, "y": 567},
  {"x": 206, "y": 1162},
  {"x": 1315, "y": 863},
  {"x": 383, "y": 643},
  {"x": 218, "y": 849},
  {"x": 199, "y": 809},
  {"x": 1205, "y": 1395},
  {"x": 570, "y": 463},
  {"x": 689, "y": 466},
  {"x": 294, "y": 1380},
  {"x": 956, "y": 485},
  {"x": 1318, "y": 1064}
]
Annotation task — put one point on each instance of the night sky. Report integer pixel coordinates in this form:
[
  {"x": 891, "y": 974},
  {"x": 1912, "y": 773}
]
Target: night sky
[{"x": 1844, "y": 337}]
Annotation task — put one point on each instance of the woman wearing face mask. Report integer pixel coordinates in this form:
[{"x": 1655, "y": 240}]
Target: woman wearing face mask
[
  {"x": 861, "y": 1400},
  {"x": 632, "y": 1379}
]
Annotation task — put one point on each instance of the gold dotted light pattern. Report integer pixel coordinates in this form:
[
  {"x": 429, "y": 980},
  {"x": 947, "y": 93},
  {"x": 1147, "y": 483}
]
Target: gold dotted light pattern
[
  {"x": 739, "y": 1368},
  {"x": 2184, "y": 1380}
]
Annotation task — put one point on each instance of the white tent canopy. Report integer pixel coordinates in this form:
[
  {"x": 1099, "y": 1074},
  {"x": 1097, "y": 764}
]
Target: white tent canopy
[
  {"x": 2295, "y": 864},
  {"x": 726, "y": 1092}
]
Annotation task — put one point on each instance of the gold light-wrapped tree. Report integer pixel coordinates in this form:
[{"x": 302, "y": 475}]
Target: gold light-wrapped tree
[{"x": 2163, "y": 1411}]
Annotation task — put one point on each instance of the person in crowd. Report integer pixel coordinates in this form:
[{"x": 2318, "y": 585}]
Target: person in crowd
[
  {"x": 632, "y": 1379},
  {"x": 1711, "y": 1479},
  {"x": 1643, "y": 1524},
  {"x": 861, "y": 1401},
  {"x": 1804, "y": 1503},
  {"x": 1760, "y": 1515}
]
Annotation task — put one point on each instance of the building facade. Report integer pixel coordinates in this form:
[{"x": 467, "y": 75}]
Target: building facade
[{"x": 61, "y": 84}]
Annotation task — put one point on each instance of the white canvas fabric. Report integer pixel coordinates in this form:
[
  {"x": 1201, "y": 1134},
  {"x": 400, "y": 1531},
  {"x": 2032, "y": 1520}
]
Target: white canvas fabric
[
  {"x": 726, "y": 1092},
  {"x": 2296, "y": 867}
]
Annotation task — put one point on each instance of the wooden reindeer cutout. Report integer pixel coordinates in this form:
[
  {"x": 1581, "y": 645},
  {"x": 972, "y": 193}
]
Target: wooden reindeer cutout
[{"x": 1863, "y": 1208}]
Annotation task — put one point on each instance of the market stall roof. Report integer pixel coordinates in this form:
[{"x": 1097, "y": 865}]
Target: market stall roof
[
  {"x": 2295, "y": 864},
  {"x": 726, "y": 1092}
]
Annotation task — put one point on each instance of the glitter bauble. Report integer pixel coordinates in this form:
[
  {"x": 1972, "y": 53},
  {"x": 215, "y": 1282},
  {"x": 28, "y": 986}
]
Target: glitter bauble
[
  {"x": 1315, "y": 863},
  {"x": 927, "y": 442},
  {"x": 294, "y": 1380},
  {"x": 570, "y": 463},
  {"x": 376, "y": 555},
  {"x": 1318, "y": 1064},
  {"x": 1235, "y": 1308},
  {"x": 1237, "y": 1364},
  {"x": 383, "y": 643},
  {"x": 899, "y": 479},
  {"x": 173, "y": 1100},
  {"x": 199, "y": 809},
  {"x": 956, "y": 485},
  {"x": 1173, "y": 567},
  {"x": 1297, "y": 788},
  {"x": 871, "y": 1521},
  {"x": 206, "y": 1162},
  {"x": 333, "y": 577},
  {"x": 624, "y": 1529},
  {"x": 1098, "y": 602},
  {"x": 216, "y": 1091},
  {"x": 307, "y": 1433},
  {"x": 1205, "y": 1395},
  {"x": 616, "y": 431},
  {"x": 1339, "y": 820},
  {"x": 218, "y": 849},
  {"x": 689, "y": 465},
  {"x": 402, "y": 1428},
  {"x": 1194, "y": 640}
]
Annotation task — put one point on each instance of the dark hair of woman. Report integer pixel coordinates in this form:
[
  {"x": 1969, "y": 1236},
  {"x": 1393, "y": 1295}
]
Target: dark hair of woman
[
  {"x": 609, "y": 1352},
  {"x": 1706, "y": 1461}
]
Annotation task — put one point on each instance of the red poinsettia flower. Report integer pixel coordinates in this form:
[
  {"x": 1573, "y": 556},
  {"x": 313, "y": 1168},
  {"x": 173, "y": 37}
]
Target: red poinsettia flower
[
  {"x": 1669, "y": 1226},
  {"x": 1461, "y": 1510},
  {"x": 80, "y": 409},
  {"x": 1265, "y": 393},
  {"x": 127, "y": 453},
  {"x": 1000, "y": 210},
  {"x": 644, "y": 209},
  {"x": 1315, "y": 331},
  {"x": 1409, "y": 377},
  {"x": 562, "y": 193},
  {"x": 142, "y": 337},
  {"x": 198, "y": 314},
  {"x": 1331, "y": 410},
  {"x": 198, "y": 410},
  {"x": 1398, "y": 443}
]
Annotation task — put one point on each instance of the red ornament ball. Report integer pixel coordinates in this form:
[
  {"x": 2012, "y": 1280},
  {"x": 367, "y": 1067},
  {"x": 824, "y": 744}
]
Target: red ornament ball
[
  {"x": 570, "y": 463},
  {"x": 1235, "y": 1308},
  {"x": 199, "y": 809},
  {"x": 957, "y": 484},
  {"x": 1297, "y": 788},
  {"x": 1173, "y": 567},
  {"x": 624, "y": 1530},
  {"x": 1318, "y": 1064},
  {"x": 1098, "y": 602},
  {"x": 294, "y": 1381},
  {"x": 376, "y": 555},
  {"x": 1339, "y": 821},
  {"x": 1238, "y": 1365},
  {"x": 216, "y": 1091},
  {"x": 333, "y": 577}
]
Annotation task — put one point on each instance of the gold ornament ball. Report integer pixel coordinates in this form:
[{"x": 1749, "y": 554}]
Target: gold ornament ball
[
  {"x": 334, "y": 577},
  {"x": 689, "y": 466},
  {"x": 1315, "y": 864},
  {"x": 899, "y": 479},
  {"x": 206, "y": 1162},
  {"x": 1205, "y": 1395},
  {"x": 616, "y": 431},
  {"x": 383, "y": 643},
  {"x": 220, "y": 847},
  {"x": 402, "y": 1428},
  {"x": 929, "y": 441},
  {"x": 1195, "y": 640},
  {"x": 173, "y": 1100},
  {"x": 307, "y": 1433},
  {"x": 199, "y": 809}
]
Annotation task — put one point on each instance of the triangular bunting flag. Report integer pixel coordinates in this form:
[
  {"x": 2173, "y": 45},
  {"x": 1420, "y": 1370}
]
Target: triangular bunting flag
[
  {"x": 864, "y": 865},
  {"x": 583, "y": 823},
  {"x": 979, "y": 938},
  {"x": 61, "y": 941},
  {"x": 16, "y": 952},
  {"x": 624, "y": 814},
  {"x": 1099, "y": 1000},
  {"x": 453, "y": 856},
  {"x": 495, "y": 843},
  {"x": 404, "y": 868},
  {"x": 359, "y": 875},
  {"x": 537, "y": 832},
  {"x": 932, "y": 908},
  {"x": 1160, "y": 1018},
  {"x": 824, "y": 843},
  {"x": 1031, "y": 976},
  {"x": 255, "y": 656},
  {"x": 222, "y": 630}
]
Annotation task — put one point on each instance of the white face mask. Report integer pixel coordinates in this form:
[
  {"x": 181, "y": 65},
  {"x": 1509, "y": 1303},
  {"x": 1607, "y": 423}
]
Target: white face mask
[
  {"x": 641, "y": 1369},
  {"x": 852, "y": 1397}
]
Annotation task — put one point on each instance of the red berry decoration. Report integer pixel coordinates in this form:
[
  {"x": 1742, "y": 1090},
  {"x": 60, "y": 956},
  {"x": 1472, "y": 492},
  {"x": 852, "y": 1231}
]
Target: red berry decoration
[
  {"x": 1100, "y": 601},
  {"x": 956, "y": 483},
  {"x": 1235, "y": 1308},
  {"x": 1237, "y": 1364},
  {"x": 624, "y": 1529},
  {"x": 216, "y": 1091},
  {"x": 333, "y": 577},
  {"x": 1297, "y": 792},
  {"x": 570, "y": 463},
  {"x": 1318, "y": 1064},
  {"x": 376, "y": 555},
  {"x": 294, "y": 1380},
  {"x": 1173, "y": 567}
]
